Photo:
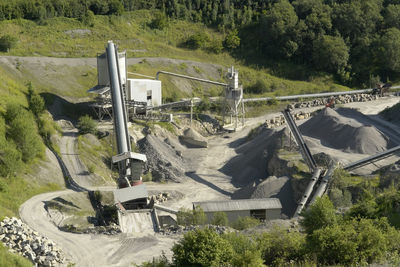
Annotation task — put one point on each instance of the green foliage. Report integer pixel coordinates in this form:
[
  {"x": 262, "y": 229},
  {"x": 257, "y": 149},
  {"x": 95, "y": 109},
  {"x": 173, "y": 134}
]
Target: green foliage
[
  {"x": 390, "y": 49},
  {"x": 232, "y": 40},
  {"x": 7, "y": 42},
  {"x": 202, "y": 247},
  {"x": 198, "y": 40},
  {"x": 319, "y": 215},
  {"x": 11, "y": 259},
  {"x": 247, "y": 251},
  {"x": 160, "y": 21},
  {"x": 259, "y": 87},
  {"x": 245, "y": 222},
  {"x": 87, "y": 125},
  {"x": 88, "y": 18},
  {"x": 280, "y": 247},
  {"x": 35, "y": 101},
  {"x": 220, "y": 218},
  {"x": 23, "y": 131},
  {"x": 191, "y": 217},
  {"x": 330, "y": 54}
]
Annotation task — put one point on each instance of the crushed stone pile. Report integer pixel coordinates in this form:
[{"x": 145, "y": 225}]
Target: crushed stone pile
[
  {"x": 163, "y": 161},
  {"x": 345, "y": 133},
  {"x": 20, "y": 238},
  {"x": 251, "y": 163},
  {"x": 272, "y": 187},
  {"x": 193, "y": 139}
]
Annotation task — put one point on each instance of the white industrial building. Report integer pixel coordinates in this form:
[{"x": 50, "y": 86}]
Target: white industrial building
[
  {"x": 144, "y": 90},
  {"x": 262, "y": 208}
]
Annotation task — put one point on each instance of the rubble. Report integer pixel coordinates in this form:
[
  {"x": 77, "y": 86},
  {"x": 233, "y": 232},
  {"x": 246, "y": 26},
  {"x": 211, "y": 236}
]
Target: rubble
[
  {"x": 341, "y": 99},
  {"x": 21, "y": 239},
  {"x": 159, "y": 198},
  {"x": 180, "y": 229}
]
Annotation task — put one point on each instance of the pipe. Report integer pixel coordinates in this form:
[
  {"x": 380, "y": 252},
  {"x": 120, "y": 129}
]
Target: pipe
[
  {"x": 118, "y": 106},
  {"x": 324, "y": 184},
  {"x": 189, "y": 77},
  {"x": 307, "y": 193}
]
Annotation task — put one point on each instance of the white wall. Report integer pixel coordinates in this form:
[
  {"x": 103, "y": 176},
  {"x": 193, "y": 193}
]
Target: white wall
[
  {"x": 137, "y": 90},
  {"x": 102, "y": 69}
]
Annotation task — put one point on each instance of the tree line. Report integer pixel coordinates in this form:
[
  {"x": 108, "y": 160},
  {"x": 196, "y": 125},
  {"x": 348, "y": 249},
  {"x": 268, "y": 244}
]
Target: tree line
[{"x": 354, "y": 40}]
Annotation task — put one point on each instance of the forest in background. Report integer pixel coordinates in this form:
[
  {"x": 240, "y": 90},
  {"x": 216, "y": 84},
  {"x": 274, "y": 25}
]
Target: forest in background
[{"x": 356, "y": 41}]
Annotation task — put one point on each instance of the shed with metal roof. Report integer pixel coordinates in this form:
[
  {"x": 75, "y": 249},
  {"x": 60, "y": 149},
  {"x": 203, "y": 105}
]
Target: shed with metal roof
[{"x": 260, "y": 208}]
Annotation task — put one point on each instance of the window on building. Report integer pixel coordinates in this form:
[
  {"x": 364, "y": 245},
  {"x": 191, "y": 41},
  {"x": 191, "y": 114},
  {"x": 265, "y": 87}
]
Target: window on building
[{"x": 258, "y": 214}]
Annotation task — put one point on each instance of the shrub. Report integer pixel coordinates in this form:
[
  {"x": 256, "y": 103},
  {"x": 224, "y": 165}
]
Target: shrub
[
  {"x": 319, "y": 215},
  {"x": 191, "y": 217},
  {"x": 220, "y": 218},
  {"x": 7, "y": 42},
  {"x": 259, "y": 87},
  {"x": 215, "y": 46},
  {"x": 280, "y": 247},
  {"x": 232, "y": 40},
  {"x": 36, "y": 104},
  {"x": 23, "y": 130},
  {"x": 198, "y": 40},
  {"x": 247, "y": 251},
  {"x": 159, "y": 22},
  {"x": 202, "y": 247},
  {"x": 87, "y": 125},
  {"x": 245, "y": 222}
]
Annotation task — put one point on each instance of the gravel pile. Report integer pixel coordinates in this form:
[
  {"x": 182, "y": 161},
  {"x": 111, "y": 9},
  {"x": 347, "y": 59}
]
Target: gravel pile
[
  {"x": 21, "y": 239},
  {"x": 344, "y": 133},
  {"x": 163, "y": 161}
]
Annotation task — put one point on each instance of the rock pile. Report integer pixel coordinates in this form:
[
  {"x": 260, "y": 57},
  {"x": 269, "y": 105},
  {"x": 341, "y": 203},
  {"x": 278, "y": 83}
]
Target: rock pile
[
  {"x": 179, "y": 229},
  {"x": 342, "y": 99},
  {"x": 21, "y": 239},
  {"x": 160, "y": 198}
]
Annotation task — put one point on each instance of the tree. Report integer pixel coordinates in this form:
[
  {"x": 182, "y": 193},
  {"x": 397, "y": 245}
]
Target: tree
[
  {"x": 232, "y": 40},
  {"x": 160, "y": 21},
  {"x": 330, "y": 54},
  {"x": 36, "y": 104},
  {"x": 279, "y": 247},
  {"x": 247, "y": 252},
  {"x": 87, "y": 125},
  {"x": 198, "y": 40},
  {"x": 7, "y": 42},
  {"x": 191, "y": 217},
  {"x": 389, "y": 50},
  {"x": 245, "y": 222},
  {"x": 319, "y": 215},
  {"x": 202, "y": 247},
  {"x": 220, "y": 218},
  {"x": 392, "y": 16}
]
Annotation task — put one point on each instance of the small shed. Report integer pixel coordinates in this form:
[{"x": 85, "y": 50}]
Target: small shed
[{"x": 261, "y": 208}]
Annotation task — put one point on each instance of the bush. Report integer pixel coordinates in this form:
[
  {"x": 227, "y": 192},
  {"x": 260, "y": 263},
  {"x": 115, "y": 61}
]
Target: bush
[
  {"x": 23, "y": 130},
  {"x": 215, "y": 46},
  {"x": 159, "y": 22},
  {"x": 232, "y": 40},
  {"x": 202, "y": 247},
  {"x": 247, "y": 251},
  {"x": 259, "y": 87},
  {"x": 280, "y": 247},
  {"x": 220, "y": 218},
  {"x": 319, "y": 215},
  {"x": 36, "y": 104},
  {"x": 7, "y": 42},
  {"x": 191, "y": 217},
  {"x": 87, "y": 125},
  {"x": 245, "y": 222},
  {"x": 198, "y": 40}
]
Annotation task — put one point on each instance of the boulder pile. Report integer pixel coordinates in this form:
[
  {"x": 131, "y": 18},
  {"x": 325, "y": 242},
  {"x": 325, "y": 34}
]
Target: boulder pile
[
  {"x": 159, "y": 198},
  {"x": 21, "y": 239},
  {"x": 341, "y": 99}
]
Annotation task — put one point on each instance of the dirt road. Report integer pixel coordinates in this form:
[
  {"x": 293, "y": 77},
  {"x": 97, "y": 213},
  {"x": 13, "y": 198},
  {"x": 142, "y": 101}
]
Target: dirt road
[{"x": 206, "y": 183}]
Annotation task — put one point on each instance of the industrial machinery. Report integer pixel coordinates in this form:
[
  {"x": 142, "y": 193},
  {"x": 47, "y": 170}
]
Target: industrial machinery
[{"x": 132, "y": 194}]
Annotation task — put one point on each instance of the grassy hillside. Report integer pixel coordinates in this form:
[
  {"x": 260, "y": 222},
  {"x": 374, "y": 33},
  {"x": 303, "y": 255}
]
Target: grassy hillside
[{"x": 66, "y": 37}]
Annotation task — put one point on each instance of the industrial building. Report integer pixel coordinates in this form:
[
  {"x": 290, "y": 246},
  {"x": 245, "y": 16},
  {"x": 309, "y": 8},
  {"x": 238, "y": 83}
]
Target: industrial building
[{"x": 262, "y": 208}]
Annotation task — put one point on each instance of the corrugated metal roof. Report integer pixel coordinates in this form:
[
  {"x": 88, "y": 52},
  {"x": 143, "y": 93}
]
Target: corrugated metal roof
[
  {"x": 130, "y": 193},
  {"x": 240, "y": 204}
]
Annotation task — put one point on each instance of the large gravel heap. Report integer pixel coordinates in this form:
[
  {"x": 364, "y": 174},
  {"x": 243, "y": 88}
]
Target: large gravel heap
[
  {"x": 163, "y": 161},
  {"x": 20, "y": 238},
  {"x": 345, "y": 133}
]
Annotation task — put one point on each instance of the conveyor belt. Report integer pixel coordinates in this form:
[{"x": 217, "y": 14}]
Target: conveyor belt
[
  {"x": 308, "y": 158},
  {"x": 371, "y": 159}
]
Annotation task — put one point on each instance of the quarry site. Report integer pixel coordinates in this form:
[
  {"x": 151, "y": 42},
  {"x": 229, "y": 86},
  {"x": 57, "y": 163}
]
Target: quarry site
[{"x": 260, "y": 167}]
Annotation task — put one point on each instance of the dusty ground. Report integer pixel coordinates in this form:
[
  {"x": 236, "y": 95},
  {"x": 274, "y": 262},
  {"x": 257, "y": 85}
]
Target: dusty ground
[{"x": 205, "y": 182}]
